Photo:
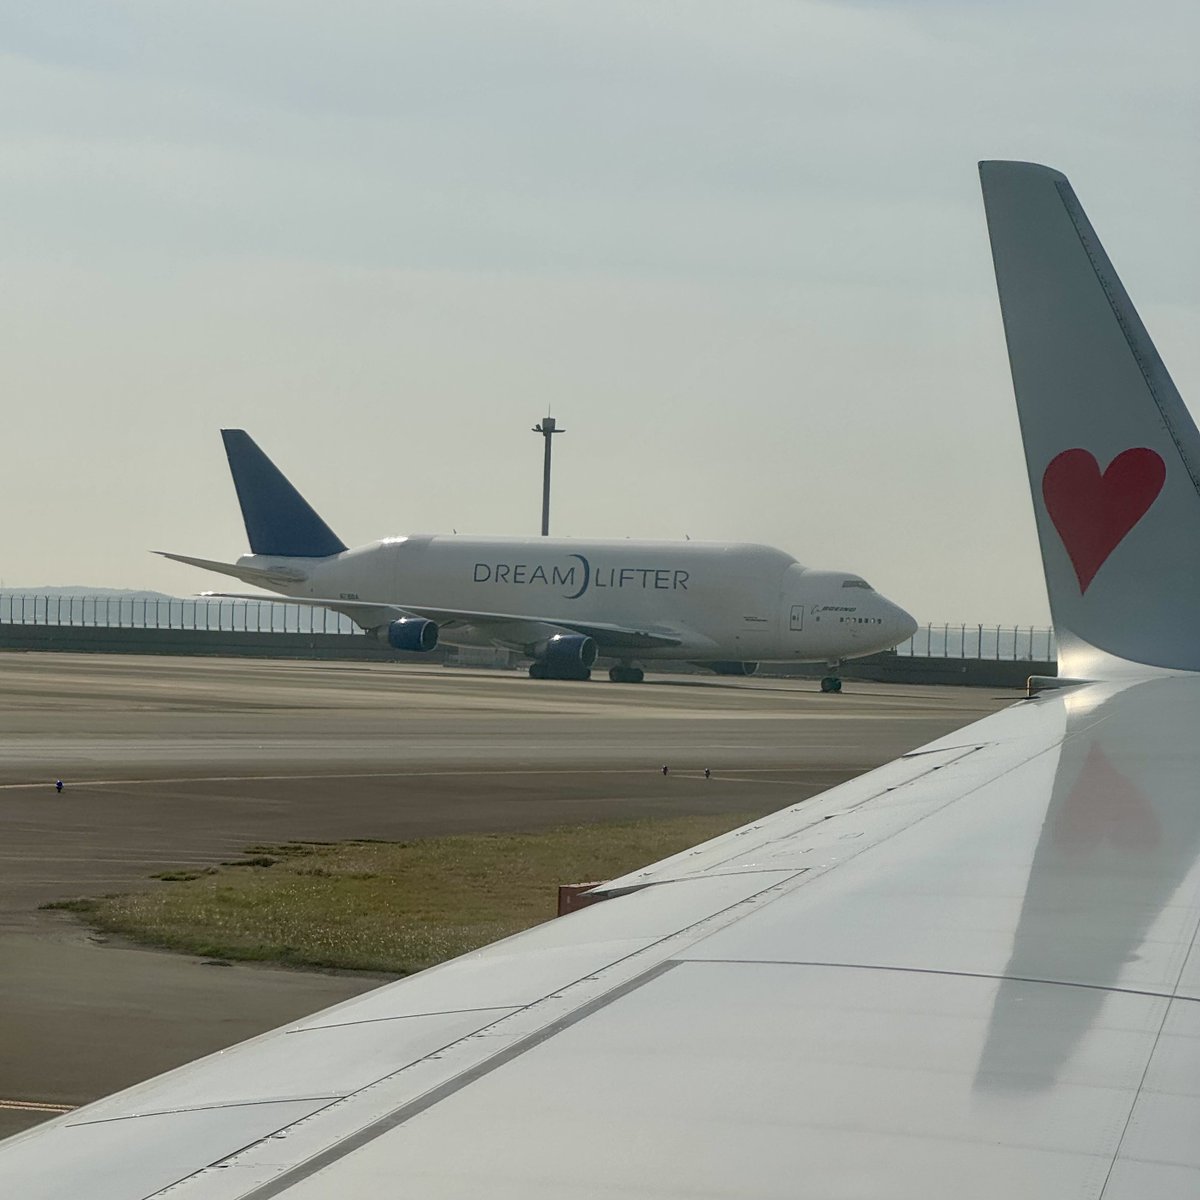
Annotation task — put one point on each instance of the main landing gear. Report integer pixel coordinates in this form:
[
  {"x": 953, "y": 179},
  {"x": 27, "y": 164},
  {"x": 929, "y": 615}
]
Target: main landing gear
[
  {"x": 539, "y": 670},
  {"x": 832, "y": 682},
  {"x": 626, "y": 674}
]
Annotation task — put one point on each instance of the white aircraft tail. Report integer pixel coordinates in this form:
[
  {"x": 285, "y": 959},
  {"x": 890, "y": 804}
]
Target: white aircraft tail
[{"x": 1113, "y": 454}]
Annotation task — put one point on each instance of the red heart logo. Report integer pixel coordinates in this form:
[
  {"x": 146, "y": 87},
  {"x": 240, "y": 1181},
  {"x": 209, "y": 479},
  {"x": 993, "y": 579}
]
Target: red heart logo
[{"x": 1094, "y": 512}]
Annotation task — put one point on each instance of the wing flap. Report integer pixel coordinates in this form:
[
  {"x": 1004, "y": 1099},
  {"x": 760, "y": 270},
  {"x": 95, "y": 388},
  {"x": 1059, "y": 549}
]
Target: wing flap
[
  {"x": 139, "y": 1156},
  {"x": 368, "y": 1059}
]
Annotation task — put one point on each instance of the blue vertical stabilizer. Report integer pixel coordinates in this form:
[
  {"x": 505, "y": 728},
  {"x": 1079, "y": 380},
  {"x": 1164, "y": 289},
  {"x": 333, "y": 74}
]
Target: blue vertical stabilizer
[{"x": 279, "y": 520}]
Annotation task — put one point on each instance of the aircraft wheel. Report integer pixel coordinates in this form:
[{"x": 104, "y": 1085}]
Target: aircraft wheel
[
  {"x": 626, "y": 674},
  {"x": 831, "y": 683},
  {"x": 537, "y": 670}
]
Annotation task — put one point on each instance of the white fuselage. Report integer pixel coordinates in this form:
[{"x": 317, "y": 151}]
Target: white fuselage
[{"x": 724, "y": 601}]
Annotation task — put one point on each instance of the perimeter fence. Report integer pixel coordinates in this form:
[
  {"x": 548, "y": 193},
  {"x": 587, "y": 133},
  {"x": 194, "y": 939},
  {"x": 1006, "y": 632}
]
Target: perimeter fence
[
  {"x": 1024, "y": 643},
  {"x": 166, "y": 612}
]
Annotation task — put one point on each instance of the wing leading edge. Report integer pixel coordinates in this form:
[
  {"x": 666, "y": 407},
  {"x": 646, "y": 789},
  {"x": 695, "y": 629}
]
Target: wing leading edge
[{"x": 370, "y": 615}]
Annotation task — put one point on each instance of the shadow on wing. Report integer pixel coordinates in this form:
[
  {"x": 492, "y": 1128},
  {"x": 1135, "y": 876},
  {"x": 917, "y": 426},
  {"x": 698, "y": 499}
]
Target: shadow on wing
[{"x": 1104, "y": 907}]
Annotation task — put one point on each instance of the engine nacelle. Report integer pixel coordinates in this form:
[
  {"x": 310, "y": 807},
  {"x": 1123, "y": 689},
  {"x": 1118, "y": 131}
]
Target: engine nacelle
[
  {"x": 409, "y": 633},
  {"x": 566, "y": 652},
  {"x": 732, "y": 668}
]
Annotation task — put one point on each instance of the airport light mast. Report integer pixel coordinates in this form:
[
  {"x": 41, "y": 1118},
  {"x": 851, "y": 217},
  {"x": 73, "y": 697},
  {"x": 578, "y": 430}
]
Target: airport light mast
[{"x": 547, "y": 428}]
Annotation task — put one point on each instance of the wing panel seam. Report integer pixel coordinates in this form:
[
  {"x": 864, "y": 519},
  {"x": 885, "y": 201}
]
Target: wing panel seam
[{"x": 949, "y": 974}]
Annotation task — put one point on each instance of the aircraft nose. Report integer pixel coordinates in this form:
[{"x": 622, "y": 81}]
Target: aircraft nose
[
  {"x": 900, "y": 625},
  {"x": 905, "y": 624}
]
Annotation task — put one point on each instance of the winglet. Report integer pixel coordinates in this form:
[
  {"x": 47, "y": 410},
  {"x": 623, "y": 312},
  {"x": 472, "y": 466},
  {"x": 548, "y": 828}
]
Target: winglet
[
  {"x": 1112, "y": 453},
  {"x": 279, "y": 521}
]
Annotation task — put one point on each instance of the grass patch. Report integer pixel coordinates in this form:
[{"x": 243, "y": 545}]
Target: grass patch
[
  {"x": 395, "y": 907},
  {"x": 80, "y": 904}
]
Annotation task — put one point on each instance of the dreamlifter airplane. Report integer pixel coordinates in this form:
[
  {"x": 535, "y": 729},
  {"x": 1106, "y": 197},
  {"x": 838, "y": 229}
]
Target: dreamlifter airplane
[{"x": 560, "y": 602}]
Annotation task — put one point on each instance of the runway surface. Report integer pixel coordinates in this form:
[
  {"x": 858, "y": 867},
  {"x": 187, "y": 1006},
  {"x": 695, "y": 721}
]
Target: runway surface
[{"x": 169, "y": 762}]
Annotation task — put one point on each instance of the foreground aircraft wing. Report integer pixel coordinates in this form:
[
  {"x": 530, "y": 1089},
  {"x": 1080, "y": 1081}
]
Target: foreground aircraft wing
[
  {"x": 972, "y": 972},
  {"x": 507, "y": 626}
]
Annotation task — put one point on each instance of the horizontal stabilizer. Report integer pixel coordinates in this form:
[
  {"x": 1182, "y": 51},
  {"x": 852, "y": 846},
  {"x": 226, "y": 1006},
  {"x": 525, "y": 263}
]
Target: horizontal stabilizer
[
  {"x": 279, "y": 521},
  {"x": 274, "y": 579}
]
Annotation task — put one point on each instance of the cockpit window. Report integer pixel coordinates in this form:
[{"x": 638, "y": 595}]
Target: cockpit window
[{"x": 858, "y": 583}]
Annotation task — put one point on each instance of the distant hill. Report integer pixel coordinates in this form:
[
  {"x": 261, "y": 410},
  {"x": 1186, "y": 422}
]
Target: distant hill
[{"x": 123, "y": 593}]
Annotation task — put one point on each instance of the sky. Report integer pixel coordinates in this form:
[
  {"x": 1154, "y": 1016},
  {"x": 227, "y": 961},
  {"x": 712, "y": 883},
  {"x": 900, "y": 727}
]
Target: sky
[{"x": 737, "y": 250}]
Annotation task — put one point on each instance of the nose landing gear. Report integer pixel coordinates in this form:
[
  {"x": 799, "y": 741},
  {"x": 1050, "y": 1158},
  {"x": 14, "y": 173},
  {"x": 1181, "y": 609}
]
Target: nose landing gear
[{"x": 832, "y": 682}]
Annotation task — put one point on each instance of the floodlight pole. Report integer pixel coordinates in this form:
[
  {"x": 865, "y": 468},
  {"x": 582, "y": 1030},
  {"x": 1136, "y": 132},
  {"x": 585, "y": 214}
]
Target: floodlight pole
[{"x": 547, "y": 428}]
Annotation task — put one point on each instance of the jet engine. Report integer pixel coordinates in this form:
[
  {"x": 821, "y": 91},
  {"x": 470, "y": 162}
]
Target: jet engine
[
  {"x": 409, "y": 633},
  {"x": 732, "y": 668},
  {"x": 568, "y": 652},
  {"x": 564, "y": 656}
]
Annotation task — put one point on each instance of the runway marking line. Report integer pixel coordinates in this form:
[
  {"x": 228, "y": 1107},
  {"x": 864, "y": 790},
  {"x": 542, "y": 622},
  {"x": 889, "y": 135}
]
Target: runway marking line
[
  {"x": 35, "y": 1106},
  {"x": 82, "y": 783}
]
